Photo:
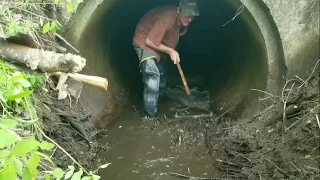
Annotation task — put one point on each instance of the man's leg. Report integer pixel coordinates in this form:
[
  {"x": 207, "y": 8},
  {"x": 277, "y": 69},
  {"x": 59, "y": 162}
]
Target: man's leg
[
  {"x": 151, "y": 80},
  {"x": 162, "y": 66}
]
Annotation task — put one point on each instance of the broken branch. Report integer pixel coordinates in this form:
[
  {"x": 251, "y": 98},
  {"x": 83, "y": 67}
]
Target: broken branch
[
  {"x": 191, "y": 177},
  {"x": 318, "y": 120},
  {"x": 228, "y": 163},
  {"x": 194, "y": 116},
  {"x": 310, "y": 75},
  {"x": 282, "y": 171},
  {"x": 285, "y": 104},
  {"x": 65, "y": 41},
  {"x": 41, "y": 59}
]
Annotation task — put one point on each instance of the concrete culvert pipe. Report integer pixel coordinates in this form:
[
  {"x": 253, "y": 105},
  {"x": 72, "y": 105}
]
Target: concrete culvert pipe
[{"x": 230, "y": 59}]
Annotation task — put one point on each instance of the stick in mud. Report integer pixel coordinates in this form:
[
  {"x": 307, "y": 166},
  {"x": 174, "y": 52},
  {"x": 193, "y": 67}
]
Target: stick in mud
[
  {"x": 191, "y": 177},
  {"x": 282, "y": 171},
  {"x": 226, "y": 162},
  {"x": 285, "y": 104},
  {"x": 318, "y": 120},
  {"x": 194, "y": 116}
]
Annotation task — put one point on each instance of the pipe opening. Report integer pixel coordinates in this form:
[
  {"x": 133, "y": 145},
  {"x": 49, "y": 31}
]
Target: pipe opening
[{"x": 227, "y": 60}]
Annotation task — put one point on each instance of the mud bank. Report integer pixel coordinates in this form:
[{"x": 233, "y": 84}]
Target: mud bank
[
  {"x": 269, "y": 146},
  {"x": 67, "y": 123}
]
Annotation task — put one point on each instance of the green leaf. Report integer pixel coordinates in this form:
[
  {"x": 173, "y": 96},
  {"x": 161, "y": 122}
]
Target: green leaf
[
  {"x": 58, "y": 25},
  {"x": 4, "y": 153},
  {"x": 17, "y": 74},
  {"x": 6, "y": 138},
  {"x": 44, "y": 156},
  {"x": 2, "y": 163},
  {"x": 56, "y": 1},
  {"x": 8, "y": 123},
  {"x": 33, "y": 163},
  {"x": 20, "y": 95},
  {"x": 308, "y": 156},
  {"x": 25, "y": 146},
  {"x": 47, "y": 177},
  {"x": 46, "y": 146},
  {"x": 8, "y": 173},
  {"x": 17, "y": 165},
  {"x": 53, "y": 25},
  {"x": 26, "y": 175},
  {"x": 96, "y": 177},
  {"x": 19, "y": 29},
  {"x": 86, "y": 178},
  {"x": 2, "y": 98},
  {"x": 46, "y": 28},
  {"x": 58, "y": 173},
  {"x": 32, "y": 80},
  {"x": 75, "y": 6},
  {"x": 69, "y": 174},
  {"x": 35, "y": 80},
  {"x": 70, "y": 7},
  {"x": 77, "y": 175},
  {"x": 54, "y": 31},
  {"x": 25, "y": 83}
]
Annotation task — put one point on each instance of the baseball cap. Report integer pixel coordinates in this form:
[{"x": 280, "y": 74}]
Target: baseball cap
[{"x": 189, "y": 7}]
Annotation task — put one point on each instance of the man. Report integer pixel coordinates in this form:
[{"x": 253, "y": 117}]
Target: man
[{"x": 155, "y": 38}]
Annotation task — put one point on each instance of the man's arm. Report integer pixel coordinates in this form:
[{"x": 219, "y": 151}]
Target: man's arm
[
  {"x": 174, "y": 55},
  {"x": 155, "y": 36},
  {"x": 161, "y": 47}
]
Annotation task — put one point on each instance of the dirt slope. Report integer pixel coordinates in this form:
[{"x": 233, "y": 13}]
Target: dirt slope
[
  {"x": 265, "y": 146},
  {"x": 67, "y": 122}
]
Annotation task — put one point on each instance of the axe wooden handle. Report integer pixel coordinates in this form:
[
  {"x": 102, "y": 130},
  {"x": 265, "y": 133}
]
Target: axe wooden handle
[
  {"x": 184, "y": 81},
  {"x": 96, "y": 81}
]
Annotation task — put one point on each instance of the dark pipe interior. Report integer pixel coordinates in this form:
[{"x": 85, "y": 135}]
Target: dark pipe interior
[{"x": 229, "y": 60}]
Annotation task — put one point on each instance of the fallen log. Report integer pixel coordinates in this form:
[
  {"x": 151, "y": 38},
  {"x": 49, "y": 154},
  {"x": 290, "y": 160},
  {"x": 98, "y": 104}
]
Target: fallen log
[{"x": 41, "y": 59}]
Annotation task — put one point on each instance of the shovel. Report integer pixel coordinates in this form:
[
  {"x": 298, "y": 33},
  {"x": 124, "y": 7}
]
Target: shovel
[{"x": 184, "y": 81}]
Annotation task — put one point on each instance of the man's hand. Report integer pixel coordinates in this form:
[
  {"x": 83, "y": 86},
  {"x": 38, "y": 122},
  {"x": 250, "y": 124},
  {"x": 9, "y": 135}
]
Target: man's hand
[{"x": 174, "y": 55}]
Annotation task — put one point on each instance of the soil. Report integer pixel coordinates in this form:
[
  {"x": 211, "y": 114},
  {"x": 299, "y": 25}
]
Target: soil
[
  {"x": 266, "y": 146},
  {"x": 67, "y": 123}
]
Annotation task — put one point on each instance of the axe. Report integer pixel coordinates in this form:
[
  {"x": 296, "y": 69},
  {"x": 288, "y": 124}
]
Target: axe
[
  {"x": 95, "y": 81},
  {"x": 184, "y": 81}
]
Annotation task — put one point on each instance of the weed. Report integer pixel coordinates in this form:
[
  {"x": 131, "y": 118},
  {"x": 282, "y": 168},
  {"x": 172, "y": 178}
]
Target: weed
[{"x": 22, "y": 150}]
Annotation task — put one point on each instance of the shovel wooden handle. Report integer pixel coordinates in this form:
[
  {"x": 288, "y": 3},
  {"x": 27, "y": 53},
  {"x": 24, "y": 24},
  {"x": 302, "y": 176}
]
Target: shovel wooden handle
[
  {"x": 184, "y": 81},
  {"x": 96, "y": 81}
]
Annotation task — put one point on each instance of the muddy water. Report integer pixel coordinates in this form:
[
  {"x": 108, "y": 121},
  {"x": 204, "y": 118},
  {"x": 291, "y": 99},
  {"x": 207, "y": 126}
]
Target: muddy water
[{"x": 143, "y": 150}]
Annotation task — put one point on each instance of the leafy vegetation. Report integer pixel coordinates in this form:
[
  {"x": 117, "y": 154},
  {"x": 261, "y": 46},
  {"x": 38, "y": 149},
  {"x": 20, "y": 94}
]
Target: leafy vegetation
[
  {"x": 29, "y": 17},
  {"x": 23, "y": 150}
]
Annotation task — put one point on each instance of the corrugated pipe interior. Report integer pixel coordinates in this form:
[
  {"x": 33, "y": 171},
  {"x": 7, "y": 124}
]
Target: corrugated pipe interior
[{"x": 224, "y": 51}]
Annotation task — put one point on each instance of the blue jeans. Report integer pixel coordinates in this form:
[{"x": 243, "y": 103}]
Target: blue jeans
[{"x": 154, "y": 76}]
